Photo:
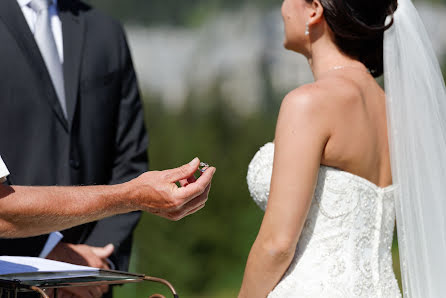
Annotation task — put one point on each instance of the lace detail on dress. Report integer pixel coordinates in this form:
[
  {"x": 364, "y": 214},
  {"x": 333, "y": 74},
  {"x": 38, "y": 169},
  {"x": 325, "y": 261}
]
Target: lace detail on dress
[{"x": 345, "y": 246}]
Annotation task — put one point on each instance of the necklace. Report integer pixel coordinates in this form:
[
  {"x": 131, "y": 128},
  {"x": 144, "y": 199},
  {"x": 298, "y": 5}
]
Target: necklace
[{"x": 338, "y": 67}]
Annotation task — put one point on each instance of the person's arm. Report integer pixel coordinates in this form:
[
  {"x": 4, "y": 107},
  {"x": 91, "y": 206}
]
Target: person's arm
[
  {"x": 301, "y": 135},
  {"x": 27, "y": 211}
]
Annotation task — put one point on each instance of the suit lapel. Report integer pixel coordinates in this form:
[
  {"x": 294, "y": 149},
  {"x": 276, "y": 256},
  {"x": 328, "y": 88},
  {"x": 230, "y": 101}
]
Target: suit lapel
[
  {"x": 12, "y": 16},
  {"x": 73, "y": 36}
]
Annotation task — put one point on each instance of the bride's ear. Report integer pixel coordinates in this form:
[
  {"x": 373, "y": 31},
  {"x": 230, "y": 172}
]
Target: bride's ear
[{"x": 316, "y": 13}]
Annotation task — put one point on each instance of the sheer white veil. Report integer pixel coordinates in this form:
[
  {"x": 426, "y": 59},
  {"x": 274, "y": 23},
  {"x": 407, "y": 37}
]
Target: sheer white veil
[{"x": 416, "y": 112}]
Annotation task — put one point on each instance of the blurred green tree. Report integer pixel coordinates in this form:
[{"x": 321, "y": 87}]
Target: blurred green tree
[{"x": 204, "y": 254}]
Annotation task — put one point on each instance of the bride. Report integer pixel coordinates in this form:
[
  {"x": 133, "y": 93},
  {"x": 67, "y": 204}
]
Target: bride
[{"x": 348, "y": 158}]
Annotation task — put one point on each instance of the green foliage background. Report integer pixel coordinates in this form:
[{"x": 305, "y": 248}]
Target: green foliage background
[{"x": 203, "y": 255}]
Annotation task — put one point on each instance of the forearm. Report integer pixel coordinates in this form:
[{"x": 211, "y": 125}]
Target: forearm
[
  {"x": 28, "y": 211},
  {"x": 266, "y": 265}
]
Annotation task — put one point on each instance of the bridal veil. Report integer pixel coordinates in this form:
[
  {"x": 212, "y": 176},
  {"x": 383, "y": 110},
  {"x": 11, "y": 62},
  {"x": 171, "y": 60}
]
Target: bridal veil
[{"x": 416, "y": 112}]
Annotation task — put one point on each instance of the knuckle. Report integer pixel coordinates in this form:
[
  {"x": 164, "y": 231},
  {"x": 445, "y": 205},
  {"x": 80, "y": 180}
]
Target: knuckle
[
  {"x": 167, "y": 175},
  {"x": 176, "y": 203},
  {"x": 201, "y": 191},
  {"x": 172, "y": 204},
  {"x": 183, "y": 170}
]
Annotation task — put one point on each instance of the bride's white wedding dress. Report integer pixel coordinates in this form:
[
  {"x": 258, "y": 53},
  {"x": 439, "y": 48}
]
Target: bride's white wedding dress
[{"x": 345, "y": 246}]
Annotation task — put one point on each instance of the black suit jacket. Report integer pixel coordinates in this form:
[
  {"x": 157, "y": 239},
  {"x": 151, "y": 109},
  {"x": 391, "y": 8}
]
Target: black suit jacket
[{"x": 103, "y": 141}]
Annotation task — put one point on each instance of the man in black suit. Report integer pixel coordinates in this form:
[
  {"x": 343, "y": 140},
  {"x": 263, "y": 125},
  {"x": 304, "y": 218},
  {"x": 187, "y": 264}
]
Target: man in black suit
[{"x": 71, "y": 115}]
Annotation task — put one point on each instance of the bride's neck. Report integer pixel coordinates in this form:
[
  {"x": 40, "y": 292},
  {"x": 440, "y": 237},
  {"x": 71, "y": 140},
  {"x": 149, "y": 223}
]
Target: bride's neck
[{"x": 325, "y": 57}]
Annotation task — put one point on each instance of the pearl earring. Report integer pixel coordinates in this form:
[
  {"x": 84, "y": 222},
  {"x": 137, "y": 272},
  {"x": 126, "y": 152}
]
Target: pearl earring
[{"x": 307, "y": 30}]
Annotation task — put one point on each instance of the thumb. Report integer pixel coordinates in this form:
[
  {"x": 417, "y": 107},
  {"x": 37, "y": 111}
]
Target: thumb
[
  {"x": 103, "y": 252},
  {"x": 185, "y": 171}
]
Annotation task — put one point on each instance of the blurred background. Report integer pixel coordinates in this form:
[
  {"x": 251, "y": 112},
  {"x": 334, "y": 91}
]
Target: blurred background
[{"x": 212, "y": 75}]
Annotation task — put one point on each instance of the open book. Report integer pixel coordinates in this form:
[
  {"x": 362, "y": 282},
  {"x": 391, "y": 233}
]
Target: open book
[{"x": 16, "y": 265}]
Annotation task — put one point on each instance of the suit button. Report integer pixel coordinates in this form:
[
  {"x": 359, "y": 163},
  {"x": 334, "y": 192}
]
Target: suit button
[{"x": 74, "y": 164}]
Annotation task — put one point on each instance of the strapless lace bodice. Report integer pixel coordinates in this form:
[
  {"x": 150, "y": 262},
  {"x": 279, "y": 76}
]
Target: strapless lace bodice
[{"x": 345, "y": 246}]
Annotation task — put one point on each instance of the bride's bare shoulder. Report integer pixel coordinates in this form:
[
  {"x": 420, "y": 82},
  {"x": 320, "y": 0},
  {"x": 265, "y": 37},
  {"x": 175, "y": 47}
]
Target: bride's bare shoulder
[
  {"x": 307, "y": 98},
  {"x": 305, "y": 111},
  {"x": 323, "y": 97}
]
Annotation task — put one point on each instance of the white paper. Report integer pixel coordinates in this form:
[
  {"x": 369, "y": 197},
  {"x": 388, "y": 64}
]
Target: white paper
[
  {"x": 53, "y": 239},
  {"x": 14, "y": 265},
  {"x": 3, "y": 171}
]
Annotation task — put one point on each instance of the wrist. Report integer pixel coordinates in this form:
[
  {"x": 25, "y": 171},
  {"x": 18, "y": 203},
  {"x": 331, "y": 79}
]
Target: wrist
[{"x": 122, "y": 197}]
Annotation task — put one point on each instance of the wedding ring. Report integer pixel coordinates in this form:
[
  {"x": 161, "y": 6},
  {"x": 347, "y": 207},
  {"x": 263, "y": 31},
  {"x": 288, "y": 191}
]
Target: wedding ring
[{"x": 203, "y": 167}]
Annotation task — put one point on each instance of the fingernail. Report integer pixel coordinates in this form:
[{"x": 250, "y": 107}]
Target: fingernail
[{"x": 194, "y": 161}]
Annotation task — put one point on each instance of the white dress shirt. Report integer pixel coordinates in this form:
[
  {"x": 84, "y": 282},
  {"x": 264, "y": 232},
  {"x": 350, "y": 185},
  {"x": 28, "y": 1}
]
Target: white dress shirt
[
  {"x": 56, "y": 24},
  {"x": 3, "y": 171}
]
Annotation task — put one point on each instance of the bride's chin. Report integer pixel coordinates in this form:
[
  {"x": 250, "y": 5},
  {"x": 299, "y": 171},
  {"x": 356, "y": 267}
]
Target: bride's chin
[
  {"x": 292, "y": 46},
  {"x": 287, "y": 45}
]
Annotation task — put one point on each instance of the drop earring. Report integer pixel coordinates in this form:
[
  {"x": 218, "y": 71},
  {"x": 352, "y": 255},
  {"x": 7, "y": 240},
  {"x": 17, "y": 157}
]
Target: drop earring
[{"x": 307, "y": 29}]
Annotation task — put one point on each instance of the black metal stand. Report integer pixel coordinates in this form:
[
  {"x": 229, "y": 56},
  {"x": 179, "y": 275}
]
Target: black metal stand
[{"x": 39, "y": 282}]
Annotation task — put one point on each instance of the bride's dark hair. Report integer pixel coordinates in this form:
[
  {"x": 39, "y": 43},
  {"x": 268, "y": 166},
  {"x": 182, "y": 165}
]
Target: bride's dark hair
[{"x": 358, "y": 27}]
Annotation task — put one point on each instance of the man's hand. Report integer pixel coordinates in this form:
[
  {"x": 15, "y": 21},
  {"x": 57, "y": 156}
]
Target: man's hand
[
  {"x": 80, "y": 254},
  {"x": 156, "y": 192}
]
